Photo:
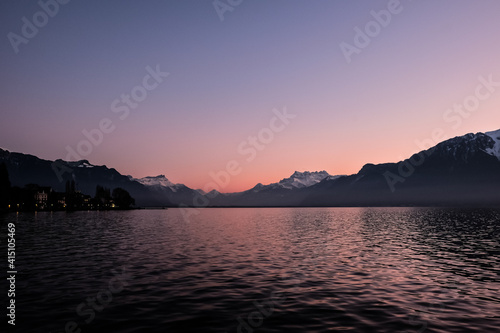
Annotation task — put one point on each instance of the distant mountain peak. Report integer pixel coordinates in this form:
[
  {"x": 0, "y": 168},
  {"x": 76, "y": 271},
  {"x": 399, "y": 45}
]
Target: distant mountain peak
[
  {"x": 334, "y": 177},
  {"x": 465, "y": 148},
  {"x": 159, "y": 177},
  {"x": 159, "y": 180},
  {"x": 495, "y": 150},
  {"x": 80, "y": 164},
  {"x": 213, "y": 192},
  {"x": 258, "y": 187},
  {"x": 303, "y": 179},
  {"x": 297, "y": 180}
]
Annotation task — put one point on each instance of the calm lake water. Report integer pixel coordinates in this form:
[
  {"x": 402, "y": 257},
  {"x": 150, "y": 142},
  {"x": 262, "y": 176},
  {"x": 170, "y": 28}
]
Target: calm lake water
[{"x": 258, "y": 270}]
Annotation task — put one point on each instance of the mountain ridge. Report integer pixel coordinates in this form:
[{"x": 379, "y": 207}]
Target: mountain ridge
[{"x": 460, "y": 170}]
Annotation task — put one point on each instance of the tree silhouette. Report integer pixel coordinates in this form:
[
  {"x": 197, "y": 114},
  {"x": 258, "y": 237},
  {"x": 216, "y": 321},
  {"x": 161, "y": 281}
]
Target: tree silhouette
[
  {"x": 102, "y": 195},
  {"x": 122, "y": 198},
  {"x": 71, "y": 203}
]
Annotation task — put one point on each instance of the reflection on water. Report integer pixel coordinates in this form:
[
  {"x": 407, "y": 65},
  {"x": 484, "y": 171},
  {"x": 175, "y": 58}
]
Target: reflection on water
[{"x": 260, "y": 270}]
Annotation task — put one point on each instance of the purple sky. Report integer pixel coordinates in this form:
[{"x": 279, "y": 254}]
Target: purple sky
[{"x": 226, "y": 78}]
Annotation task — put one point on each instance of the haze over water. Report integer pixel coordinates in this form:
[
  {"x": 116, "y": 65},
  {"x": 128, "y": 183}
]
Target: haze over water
[{"x": 307, "y": 269}]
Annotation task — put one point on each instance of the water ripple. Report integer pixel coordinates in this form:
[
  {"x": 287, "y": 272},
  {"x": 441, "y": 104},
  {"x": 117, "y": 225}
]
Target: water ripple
[{"x": 260, "y": 270}]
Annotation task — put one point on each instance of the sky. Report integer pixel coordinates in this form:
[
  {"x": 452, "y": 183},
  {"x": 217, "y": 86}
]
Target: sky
[{"x": 237, "y": 92}]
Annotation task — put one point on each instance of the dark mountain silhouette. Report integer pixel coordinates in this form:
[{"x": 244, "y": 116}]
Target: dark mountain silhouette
[
  {"x": 460, "y": 171},
  {"x": 464, "y": 170},
  {"x": 26, "y": 169}
]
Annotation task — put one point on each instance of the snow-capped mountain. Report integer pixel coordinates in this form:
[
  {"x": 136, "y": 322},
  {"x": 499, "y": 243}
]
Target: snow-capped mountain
[
  {"x": 81, "y": 164},
  {"x": 26, "y": 169},
  {"x": 467, "y": 147},
  {"x": 464, "y": 170},
  {"x": 177, "y": 194},
  {"x": 159, "y": 180},
  {"x": 303, "y": 179},
  {"x": 295, "y": 181},
  {"x": 495, "y": 150}
]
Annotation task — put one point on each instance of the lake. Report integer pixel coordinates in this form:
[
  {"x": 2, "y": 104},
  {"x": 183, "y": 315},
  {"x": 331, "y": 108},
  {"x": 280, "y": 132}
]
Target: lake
[{"x": 257, "y": 270}]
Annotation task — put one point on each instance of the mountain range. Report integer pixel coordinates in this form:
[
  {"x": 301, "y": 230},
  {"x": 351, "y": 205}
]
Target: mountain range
[{"x": 464, "y": 170}]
